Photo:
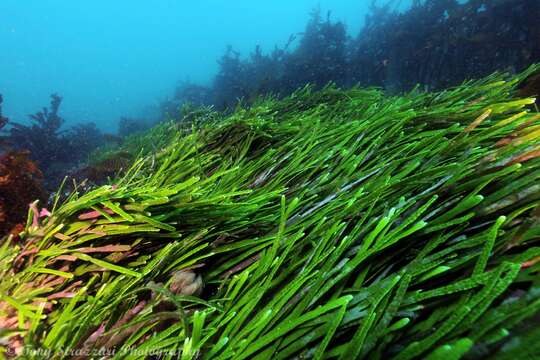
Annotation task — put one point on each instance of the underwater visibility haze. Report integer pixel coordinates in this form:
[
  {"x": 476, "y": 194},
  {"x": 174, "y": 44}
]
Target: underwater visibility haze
[
  {"x": 270, "y": 180},
  {"x": 110, "y": 59}
]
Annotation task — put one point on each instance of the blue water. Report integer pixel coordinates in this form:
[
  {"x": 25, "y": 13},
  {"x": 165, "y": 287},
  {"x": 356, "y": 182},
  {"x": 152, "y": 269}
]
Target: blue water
[{"x": 113, "y": 58}]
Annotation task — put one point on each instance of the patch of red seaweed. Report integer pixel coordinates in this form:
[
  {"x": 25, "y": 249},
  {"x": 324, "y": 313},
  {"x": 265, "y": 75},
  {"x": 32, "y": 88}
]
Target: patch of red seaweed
[{"x": 20, "y": 185}]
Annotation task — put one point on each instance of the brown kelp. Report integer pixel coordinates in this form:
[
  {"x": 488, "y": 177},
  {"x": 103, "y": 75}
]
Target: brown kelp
[{"x": 335, "y": 224}]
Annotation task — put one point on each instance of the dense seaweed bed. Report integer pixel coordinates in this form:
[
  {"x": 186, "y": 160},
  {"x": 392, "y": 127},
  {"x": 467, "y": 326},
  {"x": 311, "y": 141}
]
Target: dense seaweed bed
[{"x": 330, "y": 224}]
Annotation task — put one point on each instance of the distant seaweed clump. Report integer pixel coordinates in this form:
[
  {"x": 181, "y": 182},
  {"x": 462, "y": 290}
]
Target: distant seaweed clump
[
  {"x": 331, "y": 224},
  {"x": 129, "y": 126},
  {"x": 55, "y": 150},
  {"x": 434, "y": 43}
]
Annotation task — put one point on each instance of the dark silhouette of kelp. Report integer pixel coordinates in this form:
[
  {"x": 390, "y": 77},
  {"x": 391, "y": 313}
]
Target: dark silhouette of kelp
[
  {"x": 43, "y": 137},
  {"x": 439, "y": 43},
  {"x": 434, "y": 43},
  {"x": 55, "y": 150}
]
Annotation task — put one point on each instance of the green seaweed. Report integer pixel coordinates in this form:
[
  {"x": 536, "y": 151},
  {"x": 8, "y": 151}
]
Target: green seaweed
[{"x": 327, "y": 225}]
